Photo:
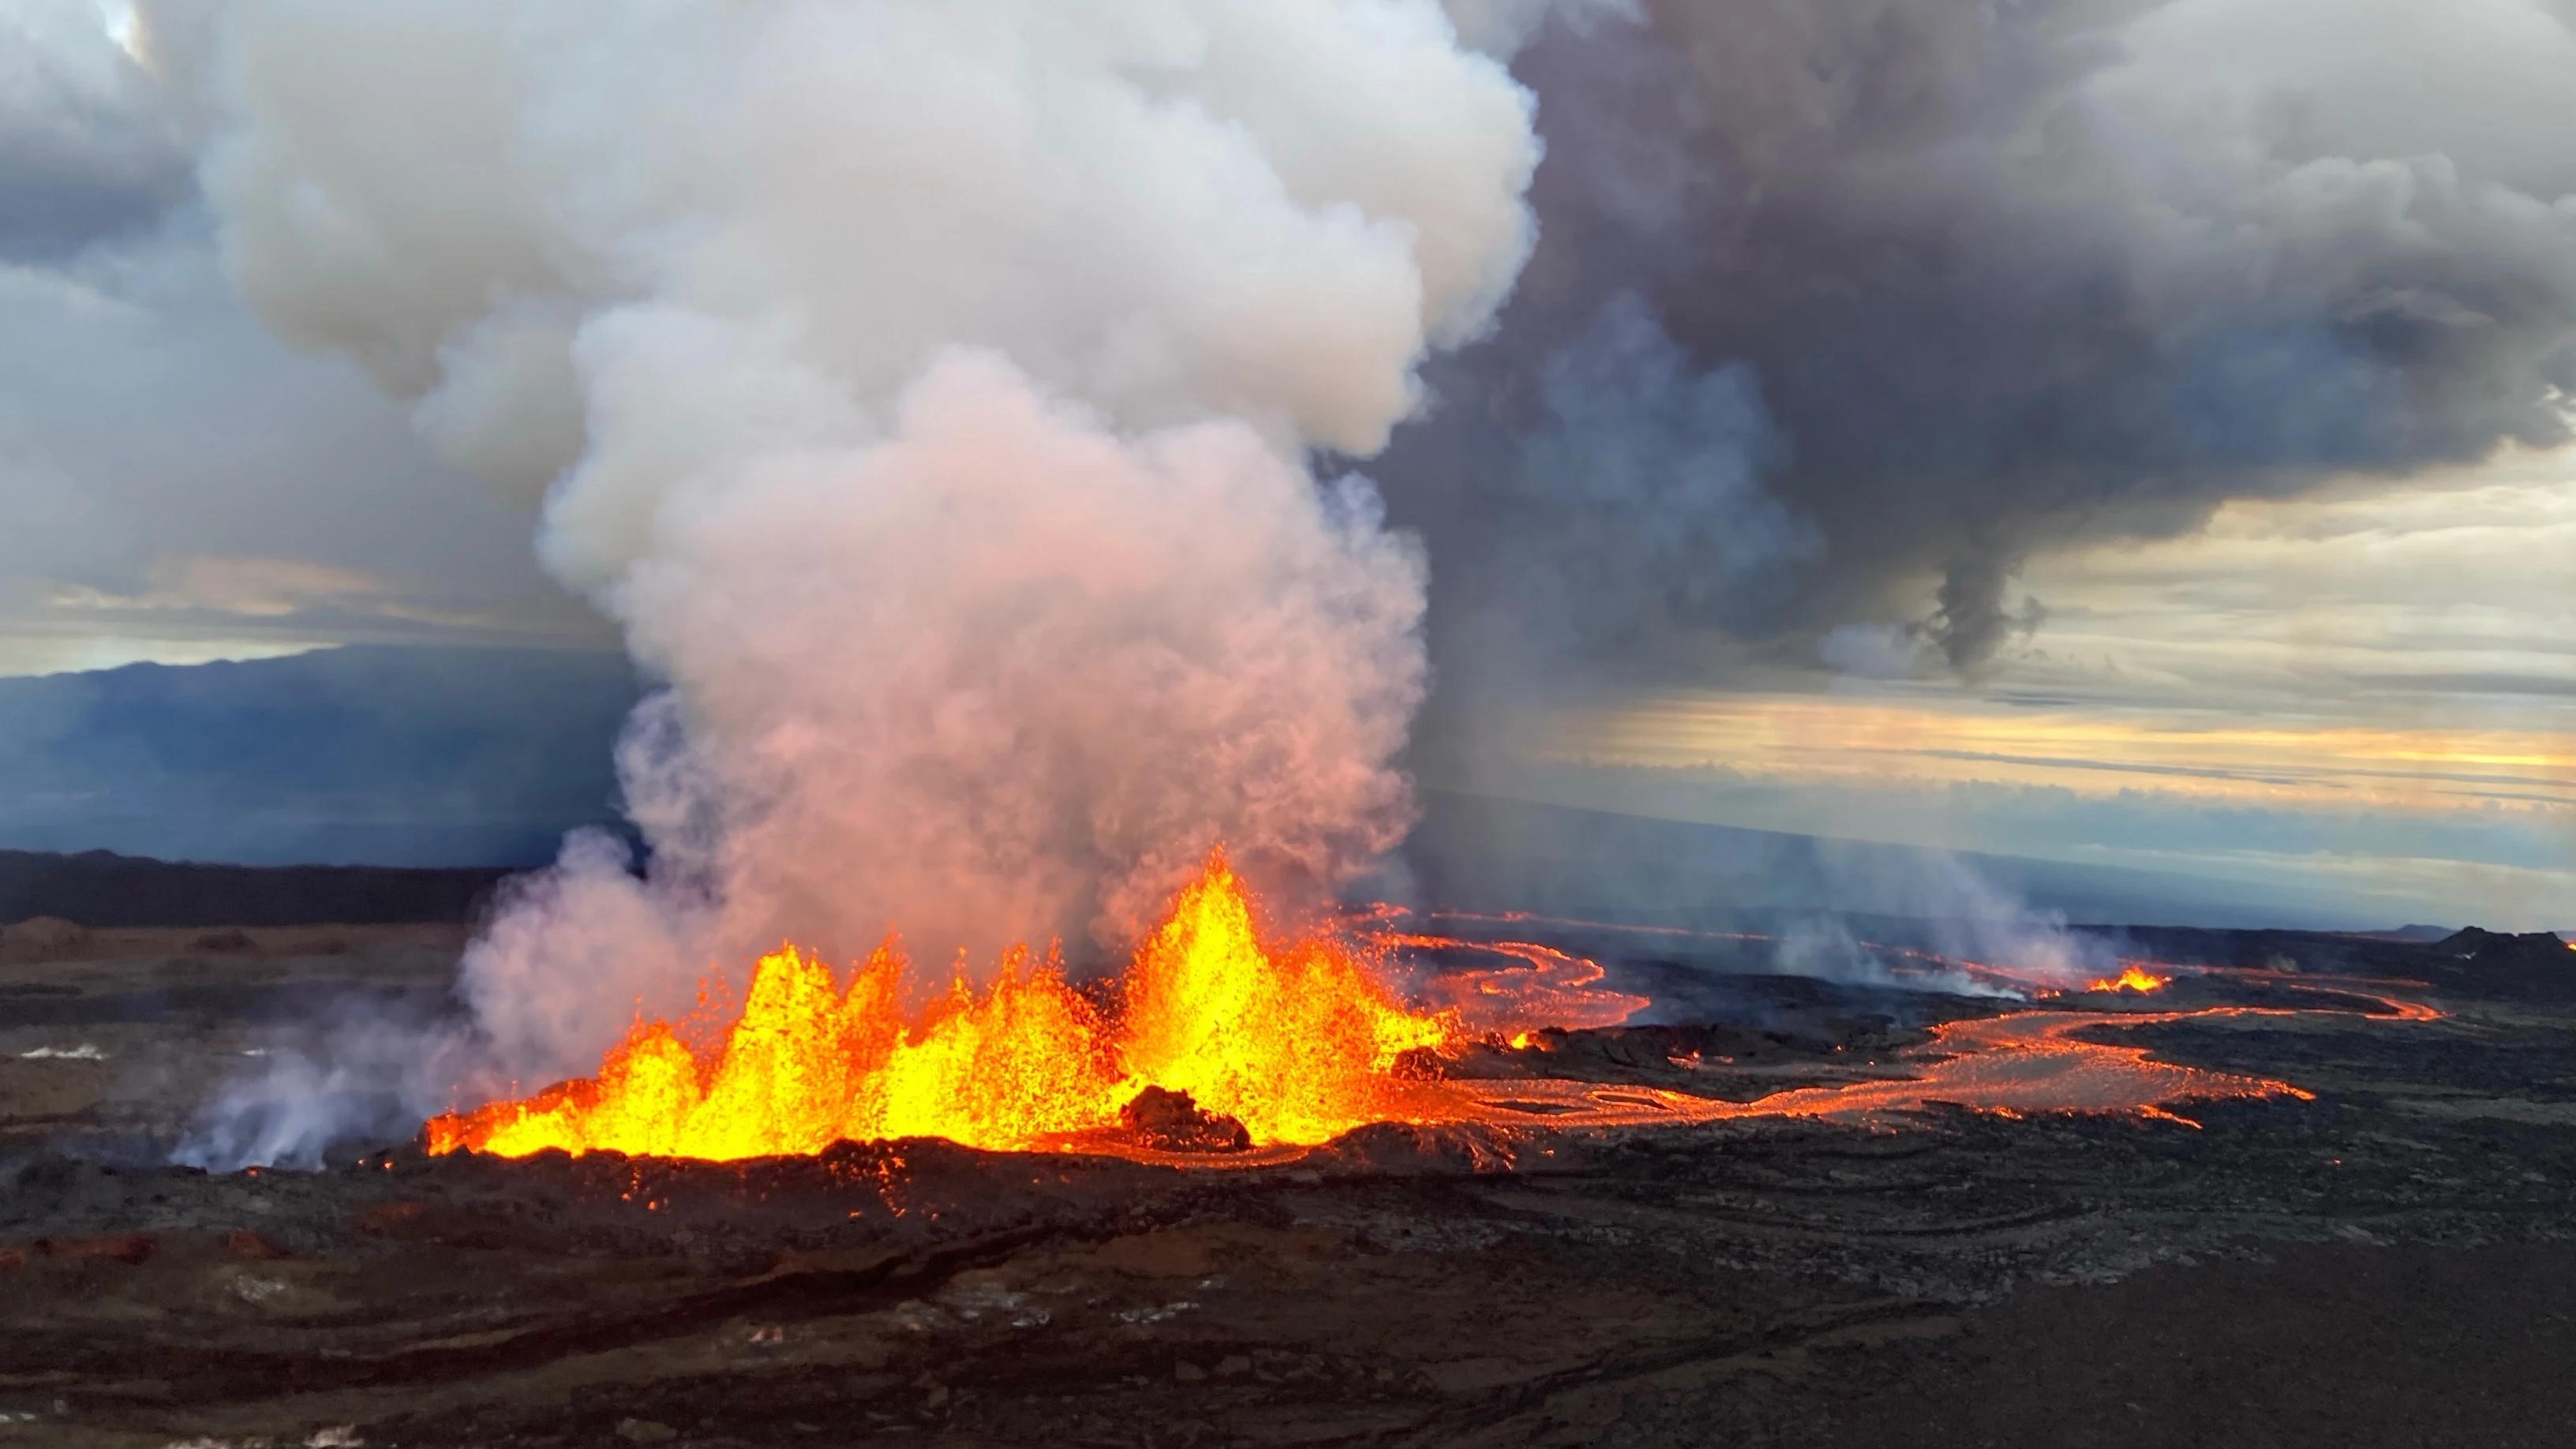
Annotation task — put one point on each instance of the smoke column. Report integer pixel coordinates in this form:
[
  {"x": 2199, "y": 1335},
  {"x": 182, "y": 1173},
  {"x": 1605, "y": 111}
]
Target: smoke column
[{"x": 928, "y": 389}]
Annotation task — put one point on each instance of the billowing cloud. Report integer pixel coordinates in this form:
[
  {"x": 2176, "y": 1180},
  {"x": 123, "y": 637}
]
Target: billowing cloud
[
  {"x": 88, "y": 145},
  {"x": 2008, "y": 277},
  {"x": 930, "y": 392},
  {"x": 180, "y": 486}
]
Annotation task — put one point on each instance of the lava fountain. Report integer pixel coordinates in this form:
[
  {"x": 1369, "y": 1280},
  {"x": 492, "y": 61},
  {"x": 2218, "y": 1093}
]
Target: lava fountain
[
  {"x": 1298, "y": 1043},
  {"x": 1214, "y": 1040}
]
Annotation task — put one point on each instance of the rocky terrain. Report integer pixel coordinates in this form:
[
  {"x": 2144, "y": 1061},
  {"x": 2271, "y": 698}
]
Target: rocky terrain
[{"x": 2389, "y": 1263}]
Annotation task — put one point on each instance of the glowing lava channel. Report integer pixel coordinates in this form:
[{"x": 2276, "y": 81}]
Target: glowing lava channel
[
  {"x": 2026, "y": 1063},
  {"x": 1299, "y": 1044},
  {"x": 2132, "y": 977},
  {"x": 1544, "y": 987}
]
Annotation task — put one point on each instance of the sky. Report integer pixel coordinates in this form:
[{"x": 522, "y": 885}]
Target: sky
[
  {"x": 181, "y": 486},
  {"x": 2342, "y": 667},
  {"x": 2362, "y": 700}
]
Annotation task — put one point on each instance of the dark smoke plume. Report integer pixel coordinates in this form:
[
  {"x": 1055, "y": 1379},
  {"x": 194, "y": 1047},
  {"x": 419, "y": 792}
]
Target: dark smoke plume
[{"x": 1988, "y": 277}]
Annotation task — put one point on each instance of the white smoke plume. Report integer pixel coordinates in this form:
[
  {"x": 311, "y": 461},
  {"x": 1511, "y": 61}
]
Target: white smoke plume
[
  {"x": 1964, "y": 917},
  {"x": 1502, "y": 27},
  {"x": 928, "y": 387}
]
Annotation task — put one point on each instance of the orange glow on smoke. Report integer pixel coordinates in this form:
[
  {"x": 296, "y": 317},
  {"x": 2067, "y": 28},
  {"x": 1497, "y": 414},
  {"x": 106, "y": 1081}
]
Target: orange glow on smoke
[
  {"x": 2132, "y": 977},
  {"x": 1296, "y": 1042}
]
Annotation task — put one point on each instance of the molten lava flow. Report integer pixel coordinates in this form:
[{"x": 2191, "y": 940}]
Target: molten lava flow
[
  {"x": 2132, "y": 977},
  {"x": 1297, "y": 1044},
  {"x": 2017, "y": 1065},
  {"x": 1543, "y": 987}
]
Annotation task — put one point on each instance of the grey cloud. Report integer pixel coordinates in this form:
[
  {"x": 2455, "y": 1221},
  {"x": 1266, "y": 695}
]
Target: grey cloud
[
  {"x": 148, "y": 426},
  {"x": 1970, "y": 620},
  {"x": 2514, "y": 796},
  {"x": 171, "y": 471},
  {"x": 2012, "y": 276},
  {"x": 1635, "y": 507},
  {"x": 88, "y": 146},
  {"x": 2178, "y": 829},
  {"x": 2071, "y": 762},
  {"x": 2531, "y": 685},
  {"x": 1502, "y": 27},
  {"x": 2326, "y": 776}
]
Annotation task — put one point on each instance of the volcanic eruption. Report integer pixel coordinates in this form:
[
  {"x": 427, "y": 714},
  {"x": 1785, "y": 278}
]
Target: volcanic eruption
[
  {"x": 945, "y": 402},
  {"x": 1023, "y": 997},
  {"x": 950, "y": 404},
  {"x": 1293, "y": 1043},
  {"x": 1216, "y": 1040}
]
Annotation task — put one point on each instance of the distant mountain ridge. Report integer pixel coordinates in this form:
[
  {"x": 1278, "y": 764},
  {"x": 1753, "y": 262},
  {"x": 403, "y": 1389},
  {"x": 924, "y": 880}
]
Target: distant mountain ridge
[
  {"x": 480, "y": 759},
  {"x": 364, "y": 755},
  {"x": 103, "y": 890}
]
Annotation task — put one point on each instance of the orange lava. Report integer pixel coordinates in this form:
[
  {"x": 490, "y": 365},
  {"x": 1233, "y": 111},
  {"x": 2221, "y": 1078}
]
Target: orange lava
[
  {"x": 1296, "y": 1042},
  {"x": 1543, "y": 987},
  {"x": 2022, "y": 1064},
  {"x": 2032, "y": 1061},
  {"x": 2132, "y": 977}
]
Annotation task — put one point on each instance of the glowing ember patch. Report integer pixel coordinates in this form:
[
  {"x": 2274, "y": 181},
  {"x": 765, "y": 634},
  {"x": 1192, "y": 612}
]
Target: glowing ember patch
[
  {"x": 1298, "y": 1044},
  {"x": 2131, "y": 978}
]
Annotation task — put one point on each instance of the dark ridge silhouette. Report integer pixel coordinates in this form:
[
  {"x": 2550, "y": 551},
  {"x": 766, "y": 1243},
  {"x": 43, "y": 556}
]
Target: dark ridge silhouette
[
  {"x": 100, "y": 889},
  {"x": 392, "y": 756}
]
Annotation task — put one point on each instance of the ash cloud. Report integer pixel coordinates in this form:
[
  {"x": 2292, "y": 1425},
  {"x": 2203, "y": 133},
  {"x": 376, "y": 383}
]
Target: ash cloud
[
  {"x": 1503, "y": 27},
  {"x": 1637, "y": 505},
  {"x": 2011, "y": 276}
]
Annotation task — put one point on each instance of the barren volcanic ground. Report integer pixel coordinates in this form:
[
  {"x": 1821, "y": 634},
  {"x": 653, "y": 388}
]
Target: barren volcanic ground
[{"x": 2390, "y": 1262}]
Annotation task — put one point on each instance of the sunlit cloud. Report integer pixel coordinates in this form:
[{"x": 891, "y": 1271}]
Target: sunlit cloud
[
  {"x": 2201, "y": 753},
  {"x": 123, "y": 26},
  {"x": 196, "y": 610}
]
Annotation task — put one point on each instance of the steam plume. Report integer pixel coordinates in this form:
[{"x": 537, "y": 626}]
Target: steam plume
[{"x": 927, "y": 389}]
